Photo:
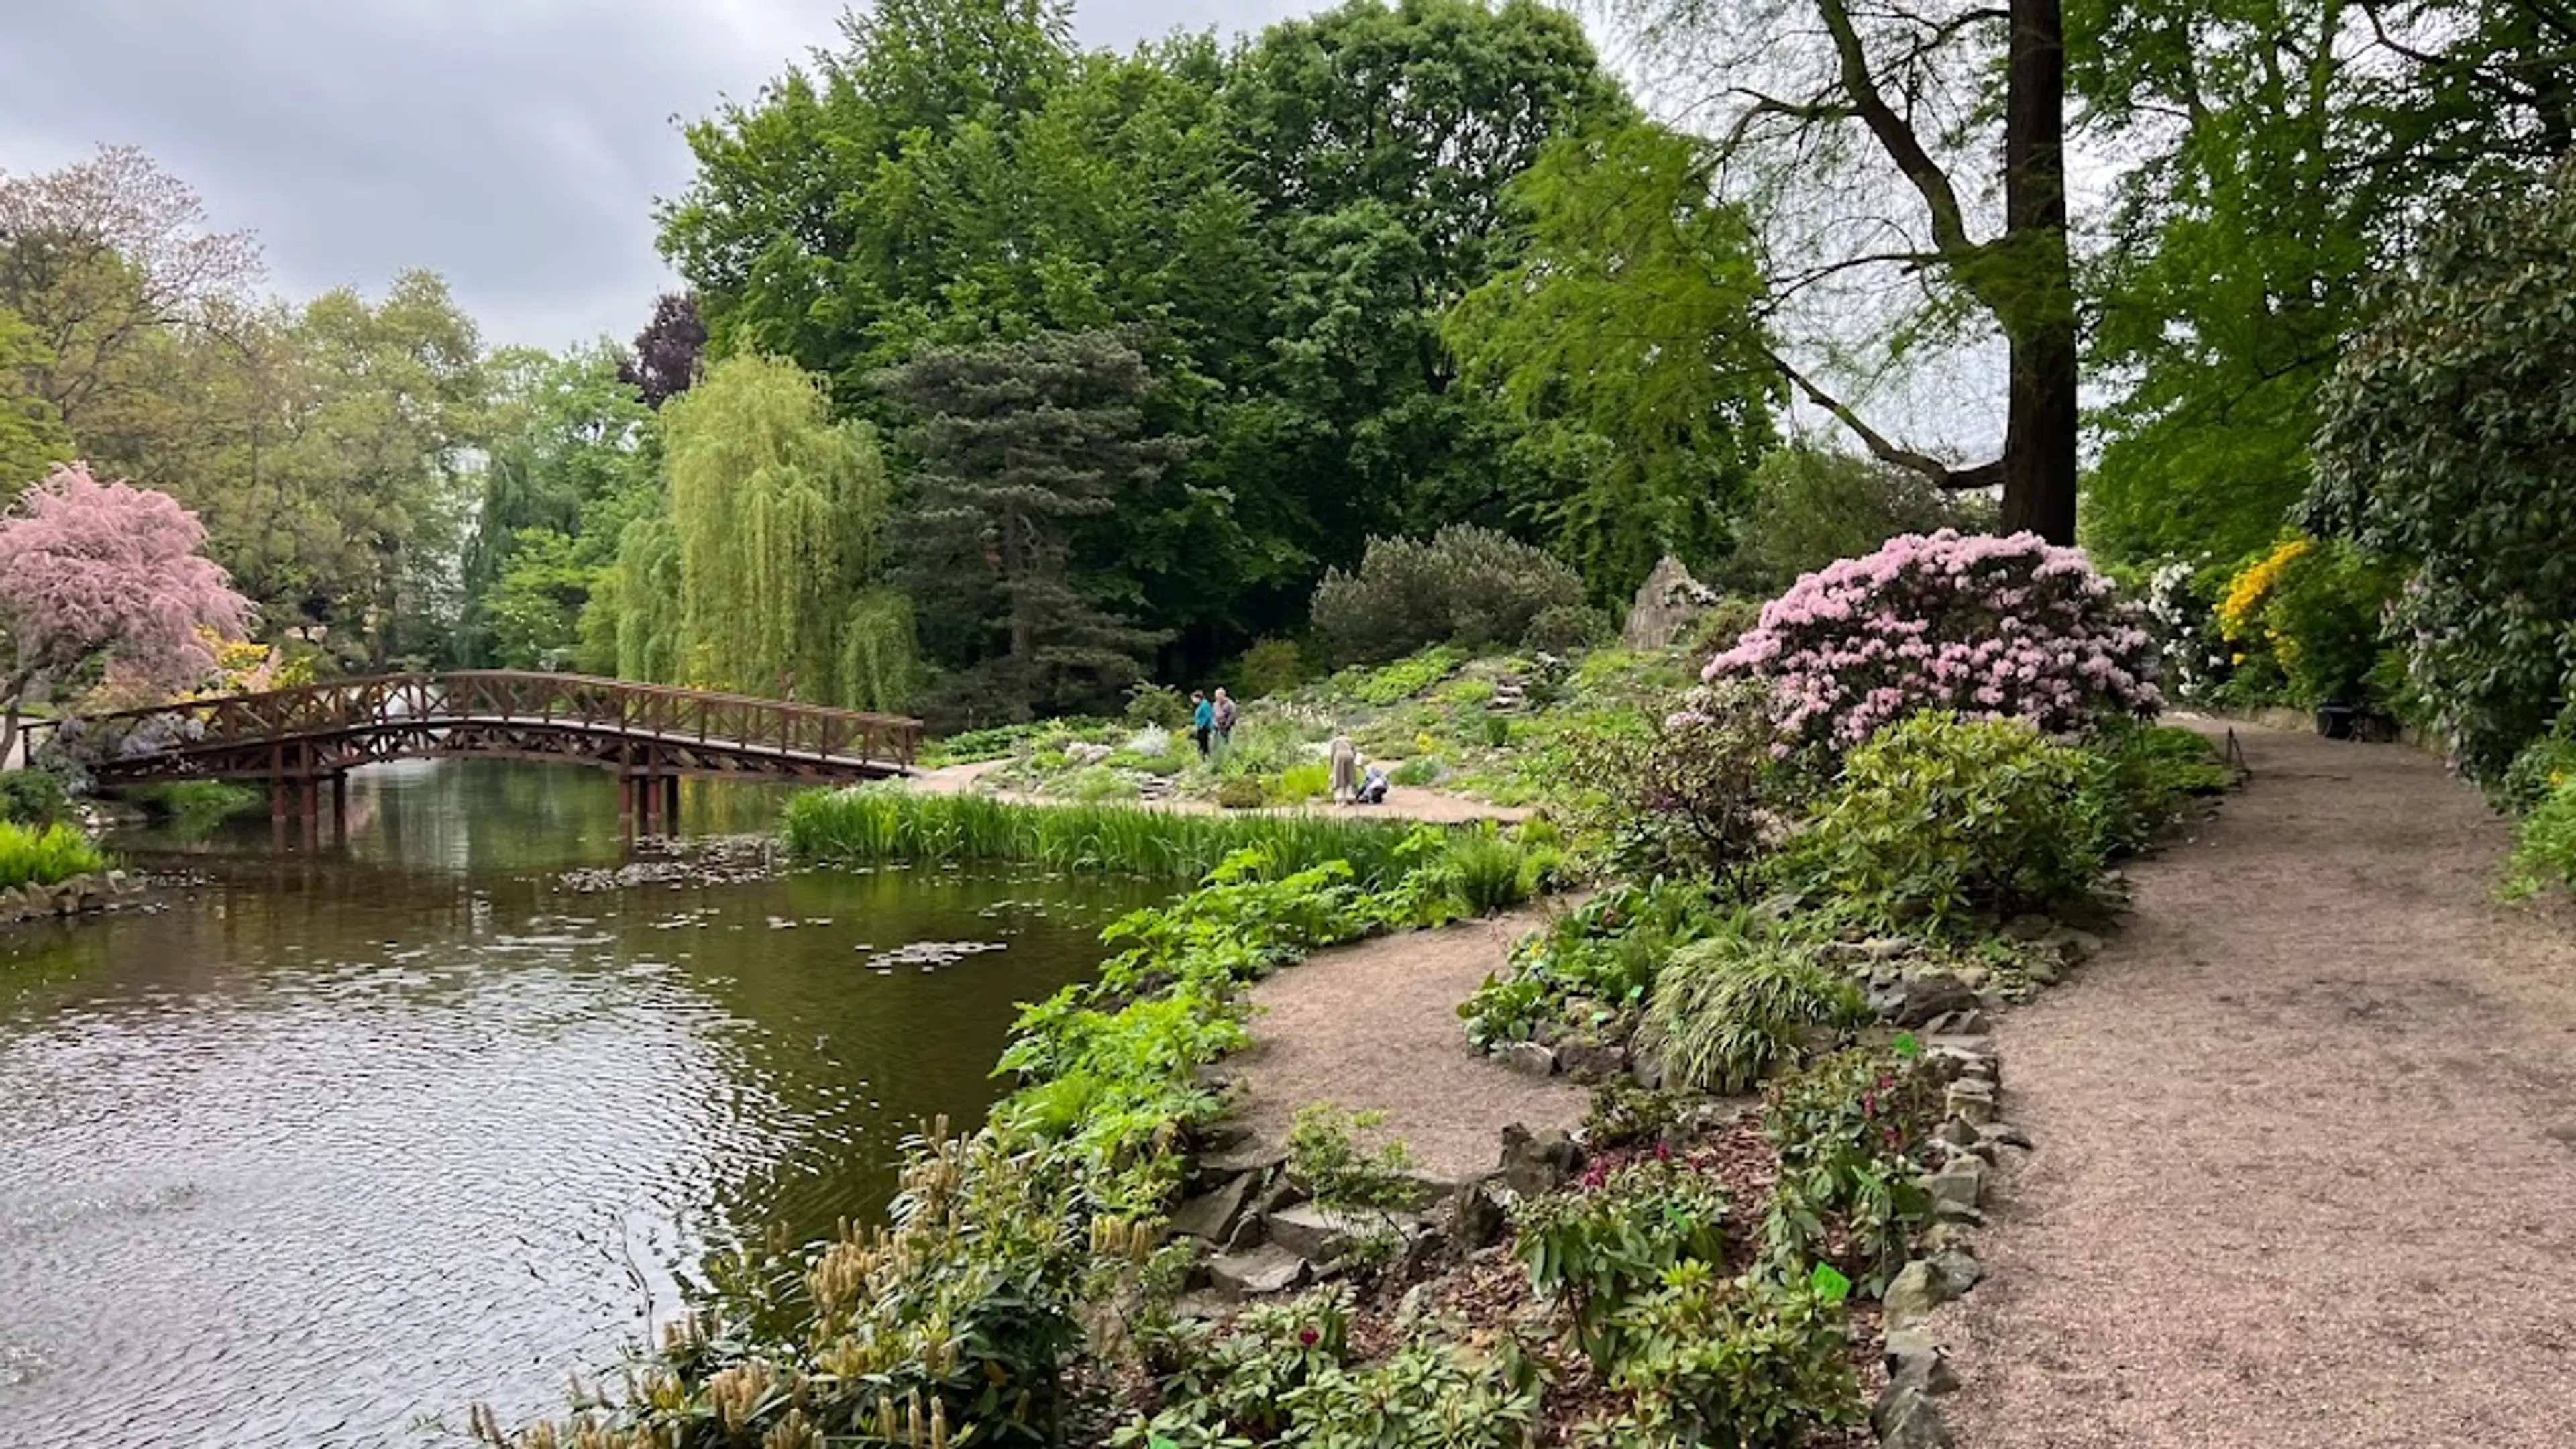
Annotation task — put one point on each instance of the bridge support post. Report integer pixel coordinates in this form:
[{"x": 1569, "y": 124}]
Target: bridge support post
[
  {"x": 340, "y": 805},
  {"x": 671, "y": 804}
]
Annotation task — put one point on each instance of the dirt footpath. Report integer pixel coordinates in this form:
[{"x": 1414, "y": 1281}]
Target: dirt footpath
[
  {"x": 2306, "y": 1167},
  {"x": 1403, "y": 802},
  {"x": 1375, "y": 1027}
]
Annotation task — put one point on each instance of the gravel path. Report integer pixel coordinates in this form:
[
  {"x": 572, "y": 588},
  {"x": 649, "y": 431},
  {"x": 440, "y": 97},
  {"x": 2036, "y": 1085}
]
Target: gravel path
[
  {"x": 1375, "y": 1027},
  {"x": 1403, "y": 802},
  {"x": 2306, "y": 1167}
]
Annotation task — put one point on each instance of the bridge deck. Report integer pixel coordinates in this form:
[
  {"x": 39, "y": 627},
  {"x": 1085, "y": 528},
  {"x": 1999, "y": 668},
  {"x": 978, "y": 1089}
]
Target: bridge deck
[{"x": 645, "y": 730}]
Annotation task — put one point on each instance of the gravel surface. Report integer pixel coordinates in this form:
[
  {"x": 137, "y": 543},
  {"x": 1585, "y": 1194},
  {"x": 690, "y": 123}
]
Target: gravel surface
[
  {"x": 2306, "y": 1166},
  {"x": 1375, "y": 1027},
  {"x": 1403, "y": 802}
]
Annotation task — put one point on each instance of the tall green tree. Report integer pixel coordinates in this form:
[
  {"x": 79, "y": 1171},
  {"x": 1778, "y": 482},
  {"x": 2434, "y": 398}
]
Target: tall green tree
[
  {"x": 32, "y": 435},
  {"x": 1277, "y": 229},
  {"x": 1628, "y": 340},
  {"x": 571, "y": 452},
  {"x": 778, "y": 522},
  {"x": 1019, "y": 447},
  {"x": 2282, "y": 151},
  {"x": 2449, "y": 447},
  {"x": 1910, "y": 150}
]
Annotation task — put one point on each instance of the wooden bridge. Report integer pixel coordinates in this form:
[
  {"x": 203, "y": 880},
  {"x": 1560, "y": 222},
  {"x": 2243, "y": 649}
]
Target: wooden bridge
[{"x": 650, "y": 734}]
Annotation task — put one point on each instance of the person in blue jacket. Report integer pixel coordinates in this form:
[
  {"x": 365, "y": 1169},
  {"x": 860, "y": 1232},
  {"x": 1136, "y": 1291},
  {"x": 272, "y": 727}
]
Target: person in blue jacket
[{"x": 1202, "y": 720}]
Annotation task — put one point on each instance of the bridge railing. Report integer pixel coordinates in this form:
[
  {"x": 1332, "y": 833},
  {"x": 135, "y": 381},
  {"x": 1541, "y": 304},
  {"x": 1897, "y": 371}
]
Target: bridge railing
[{"x": 643, "y": 711}]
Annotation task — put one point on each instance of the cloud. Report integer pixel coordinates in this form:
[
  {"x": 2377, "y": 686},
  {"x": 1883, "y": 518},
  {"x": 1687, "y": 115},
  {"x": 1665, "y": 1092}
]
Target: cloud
[{"x": 514, "y": 146}]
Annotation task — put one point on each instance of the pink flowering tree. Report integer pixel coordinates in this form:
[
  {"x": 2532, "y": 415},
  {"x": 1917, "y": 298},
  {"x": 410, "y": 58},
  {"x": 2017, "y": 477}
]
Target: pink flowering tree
[
  {"x": 108, "y": 573},
  {"x": 1989, "y": 628}
]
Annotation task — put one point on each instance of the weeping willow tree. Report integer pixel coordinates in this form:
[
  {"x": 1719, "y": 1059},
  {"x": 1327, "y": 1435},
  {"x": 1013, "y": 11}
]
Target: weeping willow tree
[{"x": 767, "y": 574}]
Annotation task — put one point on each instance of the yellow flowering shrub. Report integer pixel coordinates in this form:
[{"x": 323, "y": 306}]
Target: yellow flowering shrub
[{"x": 2241, "y": 610}]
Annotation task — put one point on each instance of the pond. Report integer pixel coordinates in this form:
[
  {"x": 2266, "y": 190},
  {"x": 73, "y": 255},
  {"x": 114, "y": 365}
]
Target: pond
[{"x": 351, "y": 1137}]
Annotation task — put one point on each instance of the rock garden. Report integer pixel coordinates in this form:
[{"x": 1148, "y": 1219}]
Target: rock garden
[{"x": 1788, "y": 912}]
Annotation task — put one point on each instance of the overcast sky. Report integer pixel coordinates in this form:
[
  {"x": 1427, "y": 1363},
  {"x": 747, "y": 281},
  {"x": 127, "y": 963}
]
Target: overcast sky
[{"x": 514, "y": 146}]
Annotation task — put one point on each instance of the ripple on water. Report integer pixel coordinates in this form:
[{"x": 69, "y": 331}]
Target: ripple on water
[{"x": 299, "y": 1166}]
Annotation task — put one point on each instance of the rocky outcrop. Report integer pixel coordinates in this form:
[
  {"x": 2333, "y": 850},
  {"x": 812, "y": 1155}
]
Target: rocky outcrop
[{"x": 1666, "y": 604}]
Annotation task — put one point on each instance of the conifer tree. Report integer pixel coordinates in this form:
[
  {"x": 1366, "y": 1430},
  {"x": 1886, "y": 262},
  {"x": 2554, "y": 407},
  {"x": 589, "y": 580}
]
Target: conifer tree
[{"x": 1019, "y": 447}]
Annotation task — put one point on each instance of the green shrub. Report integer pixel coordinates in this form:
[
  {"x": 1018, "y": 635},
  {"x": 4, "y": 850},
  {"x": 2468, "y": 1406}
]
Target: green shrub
[
  {"x": 194, "y": 805},
  {"x": 1468, "y": 586},
  {"x": 2143, "y": 778},
  {"x": 1326, "y": 1157},
  {"x": 2323, "y": 619},
  {"x": 1726, "y": 621},
  {"x": 1415, "y": 773},
  {"x": 1850, "y": 1129},
  {"x": 1939, "y": 820},
  {"x": 1242, "y": 792},
  {"x": 1282, "y": 1373},
  {"x": 1729, "y": 1009},
  {"x": 1756, "y": 1363},
  {"x": 1599, "y": 1250},
  {"x": 2545, "y": 843},
  {"x": 1565, "y": 629},
  {"x": 1271, "y": 666},
  {"x": 32, "y": 797},
  {"x": 1403, "y": 679},
  {"x": 1157, "y": 706},
  {"x": 1301, "y": 783},
  {"x": 1697, "y": 794},
  {"x": 1608, "y": 951},
  {"x": 1490, "y": 871},
  {"x": 2540, "y": 768},
  {"x": 46, "y": 856},
  {"x": 1095, "y": 785}
]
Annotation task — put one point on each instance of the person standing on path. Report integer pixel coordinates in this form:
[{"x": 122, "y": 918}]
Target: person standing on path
[
  {"x": 1222, "y": 715},
  {"x": 1346, "y": 770},
  {"x": 1202, "y": 720}
]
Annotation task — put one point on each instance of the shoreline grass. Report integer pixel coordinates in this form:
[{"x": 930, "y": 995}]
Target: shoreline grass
[{"x": 878, "y": 825}]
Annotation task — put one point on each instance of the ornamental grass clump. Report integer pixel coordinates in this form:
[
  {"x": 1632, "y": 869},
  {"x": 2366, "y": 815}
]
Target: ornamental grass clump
[{"x": 1989, "y": 628}]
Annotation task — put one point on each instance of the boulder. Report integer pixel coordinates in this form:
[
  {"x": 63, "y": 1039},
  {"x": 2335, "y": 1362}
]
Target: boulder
[
  {"x": 1646, "y": 1069},
  {"x": 1592, "y": 1063},
  {"x": 1972, "y": 1099},
  {"x": 1530, "y": 1059},
  {"x": 1918, "y": 1289},
  {"x": 1472, "y": 1218},
  {"x": 2004, "y": 1134},
  {"x": 1320, "y": 1235},
  {"x": 1255, "y": 1272},
  {"x": 1212, "y": 1215},
  {"x": 1905, "y": 1419},
  {"x": 1533, "y": 1165},
  {"x": 1959, "y": 1273},
  {"x": 2074, "y": 947},
  {"x": 1912, "y": 1357},
  {"x": 1959, "y": 1183},
  {"x": 1666, "y": 604},
  {"x": 1920, "y": 999}
]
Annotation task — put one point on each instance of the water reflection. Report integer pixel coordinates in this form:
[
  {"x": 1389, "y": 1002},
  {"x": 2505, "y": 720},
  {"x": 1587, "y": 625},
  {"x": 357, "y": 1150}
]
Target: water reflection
[{"x": 357, "y": 1134}]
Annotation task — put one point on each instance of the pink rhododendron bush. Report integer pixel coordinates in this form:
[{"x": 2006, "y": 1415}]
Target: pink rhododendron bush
[{"x": 1988, "y": 628}]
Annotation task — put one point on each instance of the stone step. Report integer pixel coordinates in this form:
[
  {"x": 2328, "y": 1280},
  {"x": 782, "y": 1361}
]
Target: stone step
[{"x": 1255, "y": 1272}]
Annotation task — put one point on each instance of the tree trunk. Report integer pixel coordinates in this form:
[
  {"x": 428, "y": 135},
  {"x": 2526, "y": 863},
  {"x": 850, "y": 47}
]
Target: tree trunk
[{"x": 2040, "y": 439}]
